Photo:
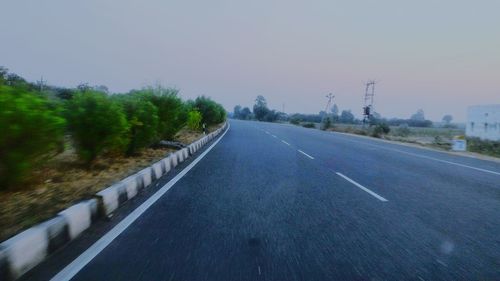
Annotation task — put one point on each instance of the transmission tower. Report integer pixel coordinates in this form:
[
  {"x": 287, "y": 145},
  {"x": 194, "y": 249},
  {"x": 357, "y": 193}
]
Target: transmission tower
[
  {"x": 368, "y": 107},
  {"x": 330, "y": 97}
]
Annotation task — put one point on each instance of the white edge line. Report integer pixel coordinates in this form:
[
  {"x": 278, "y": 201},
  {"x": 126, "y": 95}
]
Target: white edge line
[
  {"x": 429, "y": 157},
  {"x": 305, "y": 154},
  {"x": 447, "y": 162},
  {"x": 81, "y": 261},
  {"x": 285, "y": 142},
  {"x": 363, "y": 188}
]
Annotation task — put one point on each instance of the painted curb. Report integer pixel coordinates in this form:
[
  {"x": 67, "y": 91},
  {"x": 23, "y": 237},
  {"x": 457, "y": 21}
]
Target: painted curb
[
  {"x": 27, "y": 249},
  {"x": 57, "y": 230},
  {"x": 4, "y": 267}
]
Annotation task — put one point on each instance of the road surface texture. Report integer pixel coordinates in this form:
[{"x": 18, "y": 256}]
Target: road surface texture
[{"x": 280, "y": 202}]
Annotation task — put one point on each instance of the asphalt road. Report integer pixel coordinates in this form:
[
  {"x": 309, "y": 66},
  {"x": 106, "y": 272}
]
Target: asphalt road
[{"x": 279, "y": 202}]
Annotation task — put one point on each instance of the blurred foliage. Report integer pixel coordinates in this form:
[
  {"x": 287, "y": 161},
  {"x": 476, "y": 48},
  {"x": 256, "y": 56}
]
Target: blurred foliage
[
  {"x": 194, "y": 120},
  {"x": 31, "y": 128},
  {"x": 212, "y": 113},
  {"x": 142, "y": 117},
  {"x": 484, "y": 146},
  {"x": 97, "y": 124},
  {"x": 380, "y": 129},
  {"x": 309, "y": 125},
  {"x": 34, "y": 118},
  {"x": 172, "y": 111}
]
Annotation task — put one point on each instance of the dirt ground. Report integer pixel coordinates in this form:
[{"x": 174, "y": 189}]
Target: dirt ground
[{"x": 62, "y": 181}]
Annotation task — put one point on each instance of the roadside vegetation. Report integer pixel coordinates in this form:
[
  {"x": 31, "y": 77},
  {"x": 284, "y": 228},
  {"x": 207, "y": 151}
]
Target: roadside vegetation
[{"x": 61, "y": 145}]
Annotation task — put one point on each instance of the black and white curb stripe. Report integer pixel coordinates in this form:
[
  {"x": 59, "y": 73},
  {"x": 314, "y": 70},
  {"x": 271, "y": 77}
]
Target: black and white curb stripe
[
  {"x": 25, "y": 250},
  {"x": 28, "y": 248}
]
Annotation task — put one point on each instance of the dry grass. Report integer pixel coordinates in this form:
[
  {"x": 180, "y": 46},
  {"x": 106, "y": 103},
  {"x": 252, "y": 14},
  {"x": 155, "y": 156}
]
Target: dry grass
[{"x": 62, "y": 181}]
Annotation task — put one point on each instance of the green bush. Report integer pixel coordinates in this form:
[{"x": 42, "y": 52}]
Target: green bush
[
  {"x": 309, "y": 125},
  {"x": 142, "y": 117},
  {"x": 97, "y": 124},
  {"x": 380, "y": 129},
  {"x": 295, "y": 120},
  {"x": 212, "y": 113},
  {"x": 30, "y": 128},
  {"x": 327, "y": 123},
  {"x": 194, "y": 120},
  {"x": 484, "y": 146},
  {"x": 172, "y": 111}
]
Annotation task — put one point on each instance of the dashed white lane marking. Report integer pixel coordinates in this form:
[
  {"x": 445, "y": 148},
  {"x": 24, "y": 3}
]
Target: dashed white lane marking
[
  {"x": 274, "y": 136},
  {"x": 267, "y": 133},
  {"x": 285, "y": 142},
  {"x": 363, "y": 188},
  {"x": 305, "y": 154},
  {"x": 81, "y": 261}
]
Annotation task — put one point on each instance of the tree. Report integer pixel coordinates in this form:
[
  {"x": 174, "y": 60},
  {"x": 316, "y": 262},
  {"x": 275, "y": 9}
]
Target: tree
[
  {"x": 346, "y": 117},
  {"x": 142, "y": 117},
  {"x": 335, "y": 110},
  {"x": 447, "y": 119},
  {"x": 260, "y": 109},
  {"x": 418, "y": 116},
  {"x": 237, "y": 112},
  {"x": 212, "y": 112},
  {"x": 31, "y": 128},
  {"x": 194, "y": 120},
  {"x": 97, "y": 125},
  {"x": 246, "y": 114}
]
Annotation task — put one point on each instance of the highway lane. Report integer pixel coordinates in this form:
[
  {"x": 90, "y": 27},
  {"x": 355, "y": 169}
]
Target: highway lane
[{"x": 289, "y": 204}]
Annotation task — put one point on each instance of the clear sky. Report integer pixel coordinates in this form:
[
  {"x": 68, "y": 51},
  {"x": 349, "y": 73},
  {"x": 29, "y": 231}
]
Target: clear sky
[{"x": 439, "y": 55}]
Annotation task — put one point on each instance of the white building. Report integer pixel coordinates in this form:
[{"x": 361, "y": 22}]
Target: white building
[{"x": 483, "y": 121}]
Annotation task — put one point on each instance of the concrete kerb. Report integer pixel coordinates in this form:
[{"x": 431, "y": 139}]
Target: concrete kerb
[
  {"x": 57, "y": 230},
  {"x": 4, "y": 267},
  {"x": 157, "y": 169},
  {"x": 147, "y": 176},
  {"x": 173, "y": 160},
  {"x": 28, "y": 248},
  {"x": 132, "y": 185},
  {"x": 166, "y": 163},
  {"x": 78, "y": 217},
  {"x": 109, "y": 199},
  {"x": 180, "y": 156},
  {"x": 25, "y": 250}
]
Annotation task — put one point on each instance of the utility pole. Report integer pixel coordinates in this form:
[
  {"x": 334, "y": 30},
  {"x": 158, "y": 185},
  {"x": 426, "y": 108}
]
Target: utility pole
[{"x": 368, "y": 105}]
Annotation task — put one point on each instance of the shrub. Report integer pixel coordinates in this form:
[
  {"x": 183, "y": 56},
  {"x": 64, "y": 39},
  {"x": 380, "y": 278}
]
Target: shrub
[
  {"x": 327, "y": 123},
  {"x": 484, "y": 146},
  {"x": 380, "y": 129},
  {"x": 31, "y": 128},
  {"x": 211, "y": 112},
  {"x": 402, "y": 130},
  {"x": 172, "y": 112},
  {"x": 295, "y": 120},
  {"x": 194, "y": 120},
  {"x": 97, "y": 125},
  {"x": 309, "y": 125},
  {"x": 142, "y": 117}
]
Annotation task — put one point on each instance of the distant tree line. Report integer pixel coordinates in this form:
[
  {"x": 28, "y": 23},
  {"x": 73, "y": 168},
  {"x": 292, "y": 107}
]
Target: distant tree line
[{"x": 261, "y": 112}]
